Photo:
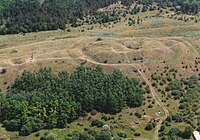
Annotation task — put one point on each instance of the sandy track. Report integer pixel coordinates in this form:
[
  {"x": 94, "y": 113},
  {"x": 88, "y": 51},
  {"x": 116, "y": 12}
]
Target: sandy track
[
  {"x": 154, "y": 94},
  {"x": 136, "y": 66}
]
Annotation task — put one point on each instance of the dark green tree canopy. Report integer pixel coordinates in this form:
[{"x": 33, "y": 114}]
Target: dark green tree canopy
[
  {"x": 31, "y": 15},
  {"x": 47, "y": 100}
]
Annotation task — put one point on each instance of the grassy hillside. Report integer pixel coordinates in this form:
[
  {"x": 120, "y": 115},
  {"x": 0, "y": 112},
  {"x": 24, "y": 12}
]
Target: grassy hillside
[
  {"x": 33, "y": 15},
  {"x": 157, "y": 51},
  {"x": 159, "y": 47}
]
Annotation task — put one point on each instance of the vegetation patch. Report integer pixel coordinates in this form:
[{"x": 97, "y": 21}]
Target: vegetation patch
[
  {"x": 65, "y": 37},
  {"x": 44, "y": 100},
  {"x": 2, "y": 46}
]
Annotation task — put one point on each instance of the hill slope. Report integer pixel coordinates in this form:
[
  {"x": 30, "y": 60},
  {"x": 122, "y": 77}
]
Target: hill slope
[
  {"x": 156, "y": 44},
  {"x": 33, "y": 15}
]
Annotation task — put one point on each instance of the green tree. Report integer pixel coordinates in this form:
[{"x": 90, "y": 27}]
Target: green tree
[
  {"x": 187, "y": 132},
  {"x": 149, "y": 127},
  {"x": 26, "y": 129},
  {"x": 103, "y": 135}
]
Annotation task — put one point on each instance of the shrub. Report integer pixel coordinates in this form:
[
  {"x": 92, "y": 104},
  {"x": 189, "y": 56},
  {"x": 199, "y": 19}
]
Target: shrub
[
  {"x": 169, "y": 118},
  {"x": 12, "y": 125},
  {"x": 150, "y": 106},
  {"x": 46, "y": 133},
  {"x": 99, "y": 39},
  {"x": 104, "y": 136},
  {"x": 139, "y": 115},
  {"x": 97, "y": 123},
  {"x": 164, "y": 138},
  {"x": 137, "y": 134},
  {"x": 149, "y": 127},
  {"x": 51, "y": 136},
  {"x": 133, "y": 129},
  {"x": 153, "y": 124},
  {"x": 154, "y": 84},
  {"x": 162, "y": 128},
  {"x": 182, "y": 106},
  {"x": 187, "y": 133},
  {"x": 37, "y": 134},
  {"x": 3, "y": 71},
  {"x": 94, "y": 112},
  {"x": 174, "y": 132},
  {"x": 26, "y": 129},
  {"x": 122, "y": 134}
]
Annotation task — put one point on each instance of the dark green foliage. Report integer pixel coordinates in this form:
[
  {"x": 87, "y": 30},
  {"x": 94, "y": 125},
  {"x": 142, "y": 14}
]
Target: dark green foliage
[
  {"x": 149, "y": 127},
  {"x": 187, "y": 91},
  {"x": 37, "y": 134},
  {"x": 153, "y": 124},
  {"x": 187, "y": 132},
  {"x": 12, "y": 125},
  {"x": 162, "y": 128},
  {"x": 122, "y": 134},
  {"x": 174, "y": 132},
  {"x": 169, "y": 118},
  {"x": 137, "y": 134},
  {"x": 97, "y": 123},
  {"x": 187, "y": 6},
  {"x": 86, "y": 136},
  {"x": 190, "y": 7},
  {"x": 150, "y": 106},
  {"x": 107, "y": 117},
  {"x": 127, "y": 2},
  {"x": 139, "y": 115},
  {"x": 47, "y": 100},
  {"x": 103, "y": 135},
  {"x": 94, "y": 112},
  {"x": 5, "y": 4},
  {"x": 26, "y": 129},
  {"x": 89, "y": 135},
  {"x": 32, "y": 15},
  {"x": 99, "y": 39},
  {"x": 182, "y": 106},
  {"x": 49, "y": 136}
]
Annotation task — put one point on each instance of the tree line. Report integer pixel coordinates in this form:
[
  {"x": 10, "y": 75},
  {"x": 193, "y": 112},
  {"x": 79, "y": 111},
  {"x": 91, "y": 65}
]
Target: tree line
[
  {"x": 19, "y": 16},
  {"x": 31, "y": 15},
  {"x": 44, "y": 100}
]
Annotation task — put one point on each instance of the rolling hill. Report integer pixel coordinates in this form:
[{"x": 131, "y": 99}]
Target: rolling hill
[{"x": 115, "y": 71}]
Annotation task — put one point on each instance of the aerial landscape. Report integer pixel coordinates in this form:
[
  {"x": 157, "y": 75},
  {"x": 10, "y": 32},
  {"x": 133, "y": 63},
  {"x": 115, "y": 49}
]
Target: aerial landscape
[{"x": 99, "y": 69}]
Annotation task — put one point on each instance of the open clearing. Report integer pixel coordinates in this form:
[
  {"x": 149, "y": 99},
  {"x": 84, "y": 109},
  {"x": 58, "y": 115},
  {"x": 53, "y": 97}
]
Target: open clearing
[{"x": 148, "y": 48}]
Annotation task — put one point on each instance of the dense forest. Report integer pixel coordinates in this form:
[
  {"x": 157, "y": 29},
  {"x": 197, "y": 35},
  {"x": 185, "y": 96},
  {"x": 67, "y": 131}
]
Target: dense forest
[
  {"x": 4, "y": 4},
  {"x": 18, "y": 16},
  {"x": 44, "y": 100},
  {"x": 32, "y": 16}
]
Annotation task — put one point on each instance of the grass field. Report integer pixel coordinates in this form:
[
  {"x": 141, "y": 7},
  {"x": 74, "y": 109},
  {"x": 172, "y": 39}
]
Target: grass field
[{"x": 149, "y": 48}]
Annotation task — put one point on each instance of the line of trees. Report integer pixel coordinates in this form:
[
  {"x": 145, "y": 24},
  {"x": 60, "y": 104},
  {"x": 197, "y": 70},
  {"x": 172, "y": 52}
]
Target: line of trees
[
  {"x": 31, "y": 16},
  {"x": 190, "y": 7},
  {"x": 186, "y": 6},
  {"x": 18, "y": 16},
  {"x": 46, "y": 100}
]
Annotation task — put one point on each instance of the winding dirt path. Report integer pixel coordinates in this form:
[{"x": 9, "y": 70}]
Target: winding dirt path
[
  {"x": 157, "y": 100},
  {"x": 154, "y": 94},
  {"x": 136, "y": 66}
]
